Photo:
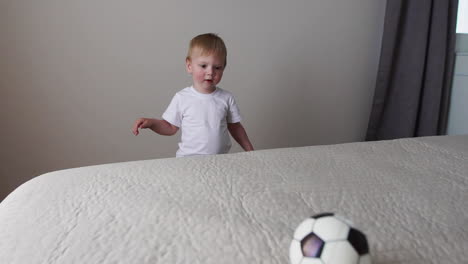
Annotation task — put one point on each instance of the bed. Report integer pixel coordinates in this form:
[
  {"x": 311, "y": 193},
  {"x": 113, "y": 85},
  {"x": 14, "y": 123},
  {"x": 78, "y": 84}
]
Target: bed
[{"x": 409, "y": 196}]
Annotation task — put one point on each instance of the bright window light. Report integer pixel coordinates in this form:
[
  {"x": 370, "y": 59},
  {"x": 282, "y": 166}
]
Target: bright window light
[{"x": 462, "y": 18}]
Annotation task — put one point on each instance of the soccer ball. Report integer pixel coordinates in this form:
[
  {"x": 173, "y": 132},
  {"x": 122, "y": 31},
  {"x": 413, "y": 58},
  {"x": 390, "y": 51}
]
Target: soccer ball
[{"x": 328, "y": 239}]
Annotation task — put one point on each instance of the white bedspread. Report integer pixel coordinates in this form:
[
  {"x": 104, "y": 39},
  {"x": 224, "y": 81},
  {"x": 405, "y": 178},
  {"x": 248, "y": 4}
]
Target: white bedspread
[{"x": 409, "y": 196}]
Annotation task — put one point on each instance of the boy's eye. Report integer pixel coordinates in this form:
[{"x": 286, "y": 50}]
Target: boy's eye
[
  {"x": 218, "y": 67},
  {"x": 203, "y": 66}
]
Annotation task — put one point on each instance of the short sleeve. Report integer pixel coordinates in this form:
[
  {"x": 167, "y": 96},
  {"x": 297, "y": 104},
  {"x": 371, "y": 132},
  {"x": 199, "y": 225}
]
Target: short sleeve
[
  {"x": 173, "y": 114},
  {"x": 233, "y": 115}
]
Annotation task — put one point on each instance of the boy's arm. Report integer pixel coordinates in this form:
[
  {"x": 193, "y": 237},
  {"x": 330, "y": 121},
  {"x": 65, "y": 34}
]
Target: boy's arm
[
  {"x": 238, "y": 133},
  {"x": 161, "y": 127}
]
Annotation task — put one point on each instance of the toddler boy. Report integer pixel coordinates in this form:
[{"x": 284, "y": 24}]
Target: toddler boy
[{"x": 204, "y": 112}]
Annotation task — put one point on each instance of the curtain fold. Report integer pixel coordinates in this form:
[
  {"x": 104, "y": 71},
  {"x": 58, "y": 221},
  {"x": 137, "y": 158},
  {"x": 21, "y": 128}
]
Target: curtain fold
[{"x": 416, "y": 67}]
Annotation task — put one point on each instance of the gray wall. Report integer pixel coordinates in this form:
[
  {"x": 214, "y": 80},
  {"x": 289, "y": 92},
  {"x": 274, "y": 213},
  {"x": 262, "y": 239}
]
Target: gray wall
[
  {"x": 457, "y": 119},
  {"x": 74, "y": 75}
]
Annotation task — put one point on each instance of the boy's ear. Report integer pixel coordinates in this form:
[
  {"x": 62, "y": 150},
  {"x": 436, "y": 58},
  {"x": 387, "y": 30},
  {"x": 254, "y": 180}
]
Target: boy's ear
[{"x": 188, "y": 65}]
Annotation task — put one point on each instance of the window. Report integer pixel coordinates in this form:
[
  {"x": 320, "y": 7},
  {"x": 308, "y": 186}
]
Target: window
[{"x": 462, "y": 18}]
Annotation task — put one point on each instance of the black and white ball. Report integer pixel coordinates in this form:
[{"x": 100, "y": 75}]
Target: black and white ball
[{"x": 328, "y": 239}]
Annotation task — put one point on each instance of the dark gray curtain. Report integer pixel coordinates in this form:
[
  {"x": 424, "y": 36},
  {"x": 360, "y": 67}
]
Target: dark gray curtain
[{"x": 416, "y": 66}]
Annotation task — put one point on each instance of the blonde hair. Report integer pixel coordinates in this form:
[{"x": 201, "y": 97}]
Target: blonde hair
[{"x": 208, "y": 44}]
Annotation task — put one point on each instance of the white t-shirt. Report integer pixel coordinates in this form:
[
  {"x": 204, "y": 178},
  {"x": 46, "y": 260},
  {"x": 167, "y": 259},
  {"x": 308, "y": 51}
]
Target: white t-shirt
[{"x": 203, "y": 120}]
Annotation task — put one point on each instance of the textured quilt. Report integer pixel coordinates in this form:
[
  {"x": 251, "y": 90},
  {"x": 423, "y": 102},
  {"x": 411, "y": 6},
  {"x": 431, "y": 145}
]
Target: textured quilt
[{"x": 409, "y": 196}]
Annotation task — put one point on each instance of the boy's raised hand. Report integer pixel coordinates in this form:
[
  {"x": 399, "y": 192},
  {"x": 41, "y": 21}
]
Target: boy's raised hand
[{"x": 141, "y": 123}]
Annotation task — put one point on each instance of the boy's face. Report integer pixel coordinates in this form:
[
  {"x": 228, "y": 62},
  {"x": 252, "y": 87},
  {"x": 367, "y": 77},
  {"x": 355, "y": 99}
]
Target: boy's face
[{"x": 206, "y": 71}]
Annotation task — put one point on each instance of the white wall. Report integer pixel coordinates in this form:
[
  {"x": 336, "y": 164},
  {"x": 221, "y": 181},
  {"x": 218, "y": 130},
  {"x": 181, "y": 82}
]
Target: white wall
[{"x": 74, "y": 75}]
